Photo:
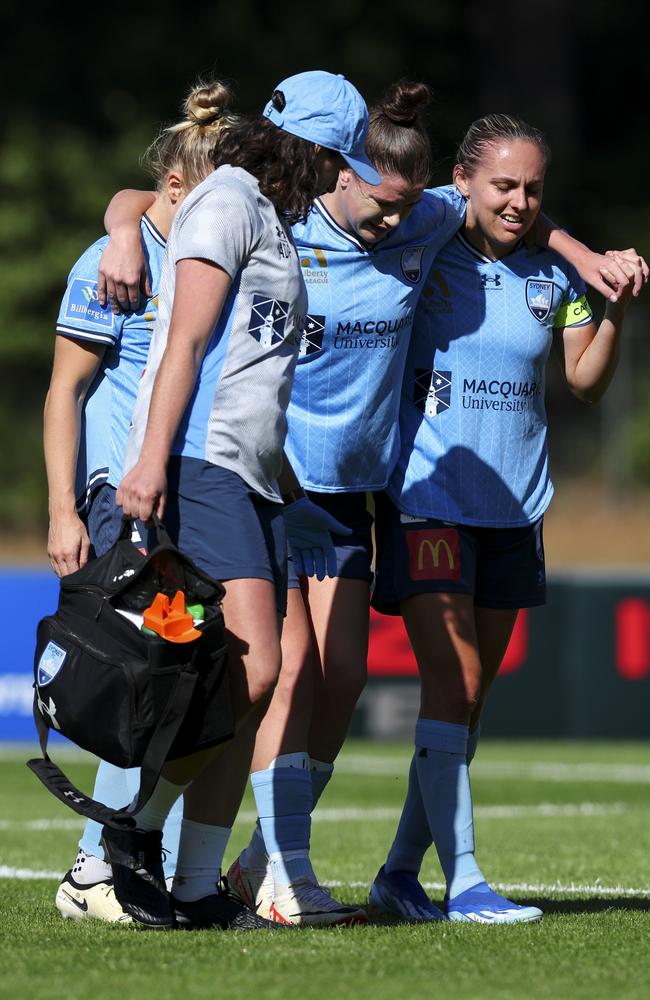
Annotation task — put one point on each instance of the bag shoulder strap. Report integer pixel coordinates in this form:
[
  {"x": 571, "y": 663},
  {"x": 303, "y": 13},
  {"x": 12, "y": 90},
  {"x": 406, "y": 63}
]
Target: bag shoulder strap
[{"x": 155, "y": 756}]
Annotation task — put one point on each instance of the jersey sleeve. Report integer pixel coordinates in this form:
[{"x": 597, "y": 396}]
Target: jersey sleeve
[
  {"x": 451, "y": 205},
  {"x": 222, "y": 225},
  {"x": 81, "y": 315},
  {"x": 574, "y": 309},
  {"x": 441, "y": 214}
]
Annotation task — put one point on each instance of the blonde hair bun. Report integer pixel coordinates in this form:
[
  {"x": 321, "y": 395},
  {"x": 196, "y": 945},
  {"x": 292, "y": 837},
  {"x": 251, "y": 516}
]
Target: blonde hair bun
[
  {"x": 189, "y": 145},
  {"x": 207, "y": 102}
]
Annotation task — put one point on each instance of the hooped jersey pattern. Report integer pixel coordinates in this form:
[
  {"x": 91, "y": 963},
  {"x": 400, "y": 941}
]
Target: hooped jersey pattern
[
  {"x": 472, "y": 416},
  {"x": 110, "y": 399},
  {"x": 343, "y": 416}
]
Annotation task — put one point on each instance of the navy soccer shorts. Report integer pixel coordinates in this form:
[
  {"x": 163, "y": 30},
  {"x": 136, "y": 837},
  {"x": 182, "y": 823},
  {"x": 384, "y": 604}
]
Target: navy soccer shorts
[{"x": 500, "y": 567}]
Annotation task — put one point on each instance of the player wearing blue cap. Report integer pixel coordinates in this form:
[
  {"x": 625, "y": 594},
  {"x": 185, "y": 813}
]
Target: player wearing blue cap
[
  {"x": 460, "y": 534},
  {"x": 364, "y": 252},
  {"x": 326, "y": 109},
  {"x": 99, "y": 358}
]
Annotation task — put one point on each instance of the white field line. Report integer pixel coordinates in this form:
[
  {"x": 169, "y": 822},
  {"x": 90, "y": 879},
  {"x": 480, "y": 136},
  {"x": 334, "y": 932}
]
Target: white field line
[
  {"x": 624, "y": 774},
  {"x": 528, "y": 888},
  {"x": 41, "y": 824},
  {"x": 27, "y": 874},
  {"x": 534, "y": 889},
  {"x": 396, "y": 765},
  {"x": 352, "y": 815},
  {"x": 508, "y": 770}
]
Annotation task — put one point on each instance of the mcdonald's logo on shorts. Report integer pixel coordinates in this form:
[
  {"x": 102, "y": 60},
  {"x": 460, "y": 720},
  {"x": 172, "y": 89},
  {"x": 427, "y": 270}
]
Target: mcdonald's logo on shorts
[{"x": 434, "y": 554}]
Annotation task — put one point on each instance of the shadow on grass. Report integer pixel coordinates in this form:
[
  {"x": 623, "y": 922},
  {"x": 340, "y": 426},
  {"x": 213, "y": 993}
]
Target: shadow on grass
[{"x": 592, "y": 904}]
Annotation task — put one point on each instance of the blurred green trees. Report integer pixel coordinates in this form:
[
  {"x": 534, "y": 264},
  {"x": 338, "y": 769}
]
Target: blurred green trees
[{"x": 89, "y": 92}]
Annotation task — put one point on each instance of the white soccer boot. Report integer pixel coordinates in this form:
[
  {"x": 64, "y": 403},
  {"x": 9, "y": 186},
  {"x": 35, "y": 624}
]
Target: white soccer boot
[
  {"x": 75, "y": 901},
  {"x": 306, "y": 904},
  {"x": 254, "y": 885}
]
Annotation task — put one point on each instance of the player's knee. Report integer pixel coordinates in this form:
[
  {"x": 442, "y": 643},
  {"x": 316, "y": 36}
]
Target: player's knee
[
  {"x": 261, "y": 684},
  {"x": 462, "y": 700},
  {"x": 294, "y": 674},
  {"x": 456, "y": 703},
  {"x": 294, "y": 690}
]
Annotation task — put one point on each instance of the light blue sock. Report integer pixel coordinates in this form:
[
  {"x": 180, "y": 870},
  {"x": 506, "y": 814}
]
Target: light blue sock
[
  {"x": 255, "y": 854},
  {"x": 153, "y": 814},
  {"x": 283, "y": 796},
  {"x": 111, "y": 788},
  {"x": 116, "y": 787},
  {"x": 321, "y": 772},
  {"x": 441, "y": 761},
  {"x": 472, "y": 743},
  {"x": 413, "y": 837},
  {"x": 171, "y": 837}
]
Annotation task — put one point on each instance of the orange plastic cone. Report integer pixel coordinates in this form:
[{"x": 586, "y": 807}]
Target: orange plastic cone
[{"x": 169, "y": 619}]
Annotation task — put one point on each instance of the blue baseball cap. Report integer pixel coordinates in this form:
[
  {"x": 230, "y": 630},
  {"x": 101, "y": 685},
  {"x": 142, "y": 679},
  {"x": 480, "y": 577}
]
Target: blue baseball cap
[{"x": 327, "y": 109}]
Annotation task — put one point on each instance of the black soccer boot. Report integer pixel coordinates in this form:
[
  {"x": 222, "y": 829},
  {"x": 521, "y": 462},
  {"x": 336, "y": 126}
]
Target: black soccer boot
[
  {"x": 223, "y": 909},
  {"x": 138, "y": 878}
]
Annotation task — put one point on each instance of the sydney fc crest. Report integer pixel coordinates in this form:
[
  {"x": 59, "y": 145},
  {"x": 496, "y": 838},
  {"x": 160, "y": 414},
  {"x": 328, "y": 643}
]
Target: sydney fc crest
[
  {"x": 50, "y": 663},
  {"x": 539, "y": 298},
  {"x": 412, "y": 263}
]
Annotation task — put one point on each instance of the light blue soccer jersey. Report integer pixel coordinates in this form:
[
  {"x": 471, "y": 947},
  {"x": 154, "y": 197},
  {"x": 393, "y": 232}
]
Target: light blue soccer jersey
[
  {"x": 110, "y": 399},
  {"x": 236, "y": 416},
  {"x": 472, "y": 415},
  {"x": 343, "y": 416}
]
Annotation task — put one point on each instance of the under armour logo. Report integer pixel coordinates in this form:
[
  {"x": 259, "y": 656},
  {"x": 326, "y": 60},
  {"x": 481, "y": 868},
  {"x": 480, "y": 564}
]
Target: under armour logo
[
  {"x": 49, "y": 710},
  {"x": 486, "y": 279},
  {"x": 72, "y": 795}
]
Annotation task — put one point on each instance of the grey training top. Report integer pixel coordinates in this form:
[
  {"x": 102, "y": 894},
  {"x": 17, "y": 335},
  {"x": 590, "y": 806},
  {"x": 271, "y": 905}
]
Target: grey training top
[{"x": 236, "y": 415}]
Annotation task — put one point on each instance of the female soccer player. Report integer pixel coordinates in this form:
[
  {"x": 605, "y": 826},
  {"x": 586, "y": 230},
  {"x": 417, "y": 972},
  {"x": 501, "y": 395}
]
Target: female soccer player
[
  {"x": 206, "y": 445},
  {"x": 459, "y": 534},
  {"x": 99, "y": 358},
  {"x": 365, "y": 254}
]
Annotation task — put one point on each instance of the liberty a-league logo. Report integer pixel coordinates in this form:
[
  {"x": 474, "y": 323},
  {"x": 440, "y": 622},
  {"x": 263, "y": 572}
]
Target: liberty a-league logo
[
  {"x": 311, "y": 341},
  {"x": 411, "y": 263},
  {"x": 539, "y": 298},
  {"x": 268, "y": 320},
  {"x": 432, "y": 391}
]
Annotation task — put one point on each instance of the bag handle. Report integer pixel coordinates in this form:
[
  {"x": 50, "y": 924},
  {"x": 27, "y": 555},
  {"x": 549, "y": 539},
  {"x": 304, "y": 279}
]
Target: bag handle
[
  {"x": 162, "y": 535},
  {"x": 160, "y": 531},
  {"x": 154, "y": 758}
]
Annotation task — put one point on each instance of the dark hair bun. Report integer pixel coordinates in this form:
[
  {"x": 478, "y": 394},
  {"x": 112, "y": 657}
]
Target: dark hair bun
[{"x": 404, "y": 103}]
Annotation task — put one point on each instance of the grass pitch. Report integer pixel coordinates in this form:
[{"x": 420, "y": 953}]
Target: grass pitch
[{"x": 561, "y": 825}]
